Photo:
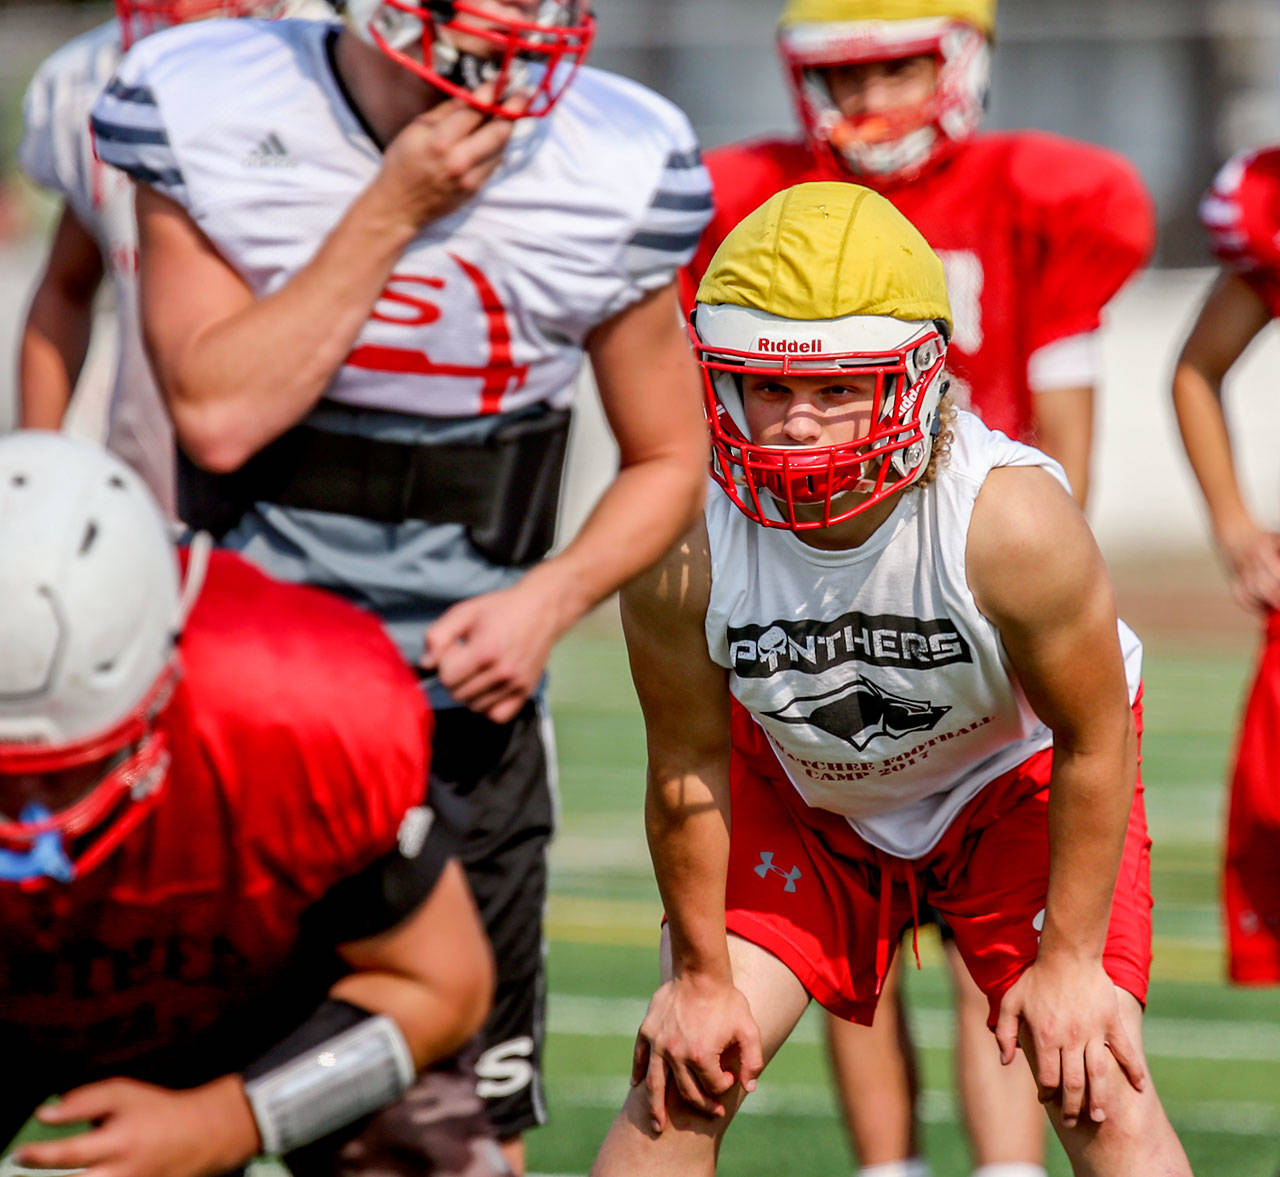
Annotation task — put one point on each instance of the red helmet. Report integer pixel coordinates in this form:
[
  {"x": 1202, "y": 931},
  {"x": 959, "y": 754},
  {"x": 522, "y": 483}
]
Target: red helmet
[
  {"x": 530, "y": 60},
  {"x": 1241, "y": 211},
  {"x": 90, "y": 609},
  {"x": 140, "y": 18}
]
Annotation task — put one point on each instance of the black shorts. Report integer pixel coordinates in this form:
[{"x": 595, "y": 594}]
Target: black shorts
[{"x": 500, "y": 777}]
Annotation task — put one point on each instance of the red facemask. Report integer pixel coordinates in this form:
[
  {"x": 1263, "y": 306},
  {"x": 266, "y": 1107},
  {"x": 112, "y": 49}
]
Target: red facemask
[
  {"x": 93, "y": 826},
  {"x": 531, "y": 64},
  {"x": 769, "y": 482}
]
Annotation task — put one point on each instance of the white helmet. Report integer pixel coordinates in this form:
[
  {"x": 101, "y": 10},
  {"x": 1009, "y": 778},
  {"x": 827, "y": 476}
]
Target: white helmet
[{"x": 89, "y": 615}]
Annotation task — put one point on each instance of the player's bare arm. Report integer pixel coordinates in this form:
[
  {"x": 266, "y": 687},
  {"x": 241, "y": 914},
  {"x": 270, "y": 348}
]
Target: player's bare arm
[
  {"x": 1064, "y": 430},
  {"x": 1036, "y": 572},
  {"x": 1231, "y": 318},
  {"x": 238, "y": 371},
  {"x": 432, "y": 974},
  {"x": 697, "y": 1014},
  {"x": 490, "y": 651},
  {"x": 55, "y": 338}
]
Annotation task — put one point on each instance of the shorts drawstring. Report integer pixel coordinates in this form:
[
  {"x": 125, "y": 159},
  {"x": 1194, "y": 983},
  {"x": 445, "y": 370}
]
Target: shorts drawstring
[{"x": 887, "y": 864}]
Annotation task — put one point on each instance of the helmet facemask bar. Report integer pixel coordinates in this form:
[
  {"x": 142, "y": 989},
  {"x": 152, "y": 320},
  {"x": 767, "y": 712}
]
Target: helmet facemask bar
[
  {"x": 135, "y": 766},
  {"x": 806, "y": 488},
  {"x": 896, "y": 144},
  {"x": 533, "y": 63}
]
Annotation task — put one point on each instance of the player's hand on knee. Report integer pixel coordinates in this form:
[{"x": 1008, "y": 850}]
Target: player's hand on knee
[
  {"x": 139, "y": 1130},
  {"x": 442, "y": 158},
  {"x": 1068, "y": 1018},
  {"x": 700, "y": 1038}
]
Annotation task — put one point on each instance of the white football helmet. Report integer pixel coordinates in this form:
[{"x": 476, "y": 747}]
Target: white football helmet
[
  {"x": 90, "y": 611},
  {"x": 531, "y": 61}
]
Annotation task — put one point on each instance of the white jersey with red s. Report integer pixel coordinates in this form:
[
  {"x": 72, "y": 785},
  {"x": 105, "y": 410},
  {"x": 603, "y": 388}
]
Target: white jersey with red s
[
  {"x": 247, "y": 125},
  {"x": 56, "y": 152},
  {"x": 886, "y": 694}
]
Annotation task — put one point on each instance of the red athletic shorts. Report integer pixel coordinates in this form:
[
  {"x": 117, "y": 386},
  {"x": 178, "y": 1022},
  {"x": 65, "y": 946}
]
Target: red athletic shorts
[
  {"x": 1251, "y": 878},
  {"x": 809, "y": 890}
]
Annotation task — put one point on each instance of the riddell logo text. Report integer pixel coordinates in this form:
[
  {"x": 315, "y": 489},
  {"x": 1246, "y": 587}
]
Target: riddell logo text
[{"x": 780, "y": 347}]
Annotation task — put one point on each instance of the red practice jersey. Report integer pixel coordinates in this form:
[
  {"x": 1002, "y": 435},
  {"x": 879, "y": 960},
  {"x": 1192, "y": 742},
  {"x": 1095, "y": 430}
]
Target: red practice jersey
[
  {"x": 1036, "y": 234},
  {"x": 298, "y": 740},
  {"x": 1241, "y": 213}
]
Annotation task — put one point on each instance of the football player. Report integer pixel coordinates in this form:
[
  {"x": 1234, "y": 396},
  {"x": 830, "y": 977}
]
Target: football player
[
  {"x": 1036, "y": 233},
  {"x": 230, "y": 921},
  {"x": 884, "y": 667},
  {"x": 95, "y": 236},
  {"x": 1242, "y": 215},
  {"x": 372, "y": 259}
]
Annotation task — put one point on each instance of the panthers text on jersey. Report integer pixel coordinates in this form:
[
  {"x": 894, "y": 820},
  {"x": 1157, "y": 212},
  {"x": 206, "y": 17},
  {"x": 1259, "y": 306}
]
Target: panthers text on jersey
[
  {"x": 57, "y": 152},
  {"x": 208, "y": 932},
  {"x": 246, "y": 124},
  {"x": 1036, "y": 234},
  {"x": 885, "y": 693}
]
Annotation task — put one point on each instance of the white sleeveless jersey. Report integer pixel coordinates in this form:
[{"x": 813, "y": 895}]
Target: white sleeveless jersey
[
  {"x": 57, "y": 152},
  {"x": 886, "y": 694},
  {"x": 245, "y": 123}
]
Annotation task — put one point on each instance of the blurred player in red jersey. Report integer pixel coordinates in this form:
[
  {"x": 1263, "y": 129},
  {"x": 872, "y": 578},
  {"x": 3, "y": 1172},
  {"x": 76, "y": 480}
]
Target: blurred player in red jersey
[
  {"x": 230, "y": 922},
  {"x": 1242, "y": 214},
  {"x": 1036, "y": 233}
]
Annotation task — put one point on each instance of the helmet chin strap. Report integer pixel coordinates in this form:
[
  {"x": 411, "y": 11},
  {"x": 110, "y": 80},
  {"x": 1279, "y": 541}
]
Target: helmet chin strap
[{"x": 45, "y": 859}]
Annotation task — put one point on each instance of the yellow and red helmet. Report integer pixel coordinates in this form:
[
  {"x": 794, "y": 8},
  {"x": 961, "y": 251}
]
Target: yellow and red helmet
[
  {"x": 824, "y": 279},
  {"x": 815, "y": 36},
  {"x": 531, "y": 58}
]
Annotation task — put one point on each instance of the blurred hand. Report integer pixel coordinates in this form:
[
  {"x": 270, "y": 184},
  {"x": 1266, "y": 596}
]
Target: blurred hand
[
  {"x": 699, "y": 1034},
  {"x": 1069, "y": 1018},
  {"x": 139, "y": 1130},
  {"x": 490, "y": 651},
  {"x": 442, "y": 158},
  {"x": 1252, "y": 557}
]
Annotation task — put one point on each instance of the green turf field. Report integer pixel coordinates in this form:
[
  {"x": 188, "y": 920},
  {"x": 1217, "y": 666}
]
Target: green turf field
[{"x": 1214, "y": 1051}]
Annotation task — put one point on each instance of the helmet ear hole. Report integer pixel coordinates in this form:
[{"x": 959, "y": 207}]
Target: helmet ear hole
[{"x": 88, "y": 590}]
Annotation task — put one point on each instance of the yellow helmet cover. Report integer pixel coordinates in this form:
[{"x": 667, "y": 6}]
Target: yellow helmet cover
[
  {"x": 979, "y": 13},
  {"x": 824, "y": 251}
]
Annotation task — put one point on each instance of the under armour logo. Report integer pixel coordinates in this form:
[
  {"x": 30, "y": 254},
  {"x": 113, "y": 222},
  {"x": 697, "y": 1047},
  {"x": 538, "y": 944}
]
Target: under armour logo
[{"x": 766, "y": 866}]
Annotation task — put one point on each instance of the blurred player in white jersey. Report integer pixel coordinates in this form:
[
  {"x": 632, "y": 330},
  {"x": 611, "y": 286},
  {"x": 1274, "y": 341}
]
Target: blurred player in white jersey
[
  {"x": 884, "y": 668},
  {"x": 372, "y": 259},
  {"x": 95, "y": 236}
]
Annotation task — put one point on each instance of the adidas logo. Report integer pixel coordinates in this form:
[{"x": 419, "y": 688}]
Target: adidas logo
[{"x": 270, "y": 153}]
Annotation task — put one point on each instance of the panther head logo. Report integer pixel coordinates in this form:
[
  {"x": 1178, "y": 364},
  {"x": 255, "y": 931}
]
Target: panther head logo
[{"x": 860, "y": 711}]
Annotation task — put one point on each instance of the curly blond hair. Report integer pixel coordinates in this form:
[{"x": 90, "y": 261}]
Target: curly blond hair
[{"x": 942, "y": 442}]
